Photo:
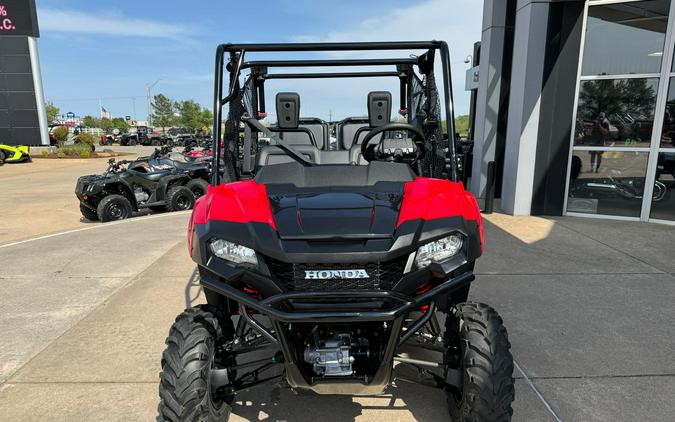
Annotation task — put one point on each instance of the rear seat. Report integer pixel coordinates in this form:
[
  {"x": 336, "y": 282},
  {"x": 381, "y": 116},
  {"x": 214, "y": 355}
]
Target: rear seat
[{"x": 351, "y": 132}]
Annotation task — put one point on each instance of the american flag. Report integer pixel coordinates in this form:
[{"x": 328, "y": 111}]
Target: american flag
[{"x": 105, "y": 114}]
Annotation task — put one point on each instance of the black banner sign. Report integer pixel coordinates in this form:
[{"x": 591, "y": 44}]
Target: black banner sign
[{"x": 18, "y": 17}]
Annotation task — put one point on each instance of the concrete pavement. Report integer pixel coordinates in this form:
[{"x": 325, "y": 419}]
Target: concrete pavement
[
  {"x": 39, "y": 197},
  {"x": 586, "y": 302}
]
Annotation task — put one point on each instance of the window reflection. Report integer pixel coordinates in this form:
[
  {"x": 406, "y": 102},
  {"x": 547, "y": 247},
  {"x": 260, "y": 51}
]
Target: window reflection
[
  {"x": 663, "y": 200},
  {"x": 616, "y": 113},
  {"x": 607, "y": 182},
  {"x": 625, "y": 38},
  {"x": 668, "y": 133}
]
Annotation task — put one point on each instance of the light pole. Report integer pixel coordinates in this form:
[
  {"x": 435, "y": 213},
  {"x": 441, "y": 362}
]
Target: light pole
[{"x": 149, "y": 87}]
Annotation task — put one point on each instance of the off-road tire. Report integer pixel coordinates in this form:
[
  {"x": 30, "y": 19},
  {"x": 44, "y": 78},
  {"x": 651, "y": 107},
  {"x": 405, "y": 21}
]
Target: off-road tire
[
  {"x": 114, "y": 207},
  {"x": 88, "y": 213},
  {"x": 198, "y": 187},
  {"x": 131, "y": 142},
  {"x": 184, "y": 381},
  {"x": 179, "y": 198},
  {"x": 2, "y": 158},
  {"x": 486, "y": 363},
  {"x": 155, "y": 143}
]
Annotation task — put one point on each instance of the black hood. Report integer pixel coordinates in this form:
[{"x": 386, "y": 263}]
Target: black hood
[{"x": 346, "y": 213}]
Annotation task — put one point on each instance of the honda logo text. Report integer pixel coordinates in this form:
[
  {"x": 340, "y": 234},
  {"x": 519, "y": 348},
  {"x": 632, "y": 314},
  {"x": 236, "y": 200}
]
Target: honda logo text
[{"x": 335, "y": 274}]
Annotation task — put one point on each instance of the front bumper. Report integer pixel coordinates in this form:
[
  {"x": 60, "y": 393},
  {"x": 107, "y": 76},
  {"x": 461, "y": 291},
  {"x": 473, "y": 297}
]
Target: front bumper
[{"x": 393, "y": 307}]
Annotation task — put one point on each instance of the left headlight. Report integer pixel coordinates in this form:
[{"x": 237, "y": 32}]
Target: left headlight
[
  {"x": 233, "y": 252},
  {"x": 439, "y": 250}
]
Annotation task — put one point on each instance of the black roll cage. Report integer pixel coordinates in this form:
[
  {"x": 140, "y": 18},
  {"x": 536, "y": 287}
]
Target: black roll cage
[{"x": 237, "y": 63}]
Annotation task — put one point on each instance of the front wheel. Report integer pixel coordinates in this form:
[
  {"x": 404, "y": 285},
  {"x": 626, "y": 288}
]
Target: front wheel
[
  {"x": 113, "y": 207},
  {"x": 478, "y": 347},
  {"x": 185, "y": 388}
]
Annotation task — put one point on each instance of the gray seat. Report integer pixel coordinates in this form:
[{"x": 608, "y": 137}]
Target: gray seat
[
  {"x": 319, "y": 129},
  {"x": 271, "y": 154}
]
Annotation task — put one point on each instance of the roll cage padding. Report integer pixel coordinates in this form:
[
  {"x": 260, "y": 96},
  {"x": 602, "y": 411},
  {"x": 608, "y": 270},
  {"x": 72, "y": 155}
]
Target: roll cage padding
[{"x": 339, "y": 175}]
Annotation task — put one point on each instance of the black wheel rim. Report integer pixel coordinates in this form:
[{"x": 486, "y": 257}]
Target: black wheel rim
[
  {"x": 116, "y": 211},
  {"x": 182, "y": 202},
  {"x": 197, "y": 192}
]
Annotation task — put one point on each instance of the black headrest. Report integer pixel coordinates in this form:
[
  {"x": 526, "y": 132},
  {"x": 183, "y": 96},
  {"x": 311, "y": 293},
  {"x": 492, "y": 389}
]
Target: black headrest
[
  {"x": 288, "y": 110},
  {"x": 379, "y": 108}
]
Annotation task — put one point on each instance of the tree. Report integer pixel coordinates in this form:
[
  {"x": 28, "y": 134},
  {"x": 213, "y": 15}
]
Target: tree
[
  {"x": 163, "y": 111},
  {"x": 52, "y": 112},
  {"x": 190, "y": 114},
  {"x": 90, "y": 121},
  {"x": 119, "y": 123},
  {"x": 462, "y": 125},
  {"x": 206, "y": 119}
]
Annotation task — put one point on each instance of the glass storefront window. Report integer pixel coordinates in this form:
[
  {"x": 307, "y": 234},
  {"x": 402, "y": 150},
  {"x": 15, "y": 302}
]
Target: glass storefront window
[
  {"x": 607, "y": 182},
  {"x": 616, "y": 112},
  {"x": 663, "y": 199},
  {"x": 625, "y": 38},
  {"x": 668, "y": 133}
]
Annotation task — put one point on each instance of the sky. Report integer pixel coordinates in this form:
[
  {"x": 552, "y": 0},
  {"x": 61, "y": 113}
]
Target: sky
[{"x": 111, "y": 51}]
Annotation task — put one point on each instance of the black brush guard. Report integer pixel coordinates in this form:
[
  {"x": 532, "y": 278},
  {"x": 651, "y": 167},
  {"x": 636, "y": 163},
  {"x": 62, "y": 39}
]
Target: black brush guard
[{"x": 279, "y": 309}]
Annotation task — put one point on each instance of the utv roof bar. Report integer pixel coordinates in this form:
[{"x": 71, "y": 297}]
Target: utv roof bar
[
  {"x": 329, "y": 75},
  {"x": 336, "y": 46},
  {"x": 238, "y": 51},
  {"x": 330, "y": 62}
]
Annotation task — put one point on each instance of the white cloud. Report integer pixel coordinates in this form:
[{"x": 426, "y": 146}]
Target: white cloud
[
  {"x": 458, "y": 22},
  {"x": 106, "y": 23}
]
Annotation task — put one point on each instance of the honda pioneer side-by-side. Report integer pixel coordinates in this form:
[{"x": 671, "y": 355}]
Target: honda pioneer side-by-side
[{"x": 335, "y": 268}]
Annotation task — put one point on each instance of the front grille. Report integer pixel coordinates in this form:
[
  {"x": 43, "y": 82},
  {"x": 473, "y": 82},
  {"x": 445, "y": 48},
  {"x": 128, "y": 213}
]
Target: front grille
[{"x": 382, "y": 275}]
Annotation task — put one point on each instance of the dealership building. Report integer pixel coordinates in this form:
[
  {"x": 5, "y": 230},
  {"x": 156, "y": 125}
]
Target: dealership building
[
  {"x": 575, "y": 106},
  {"x": 23, "y": 120}
]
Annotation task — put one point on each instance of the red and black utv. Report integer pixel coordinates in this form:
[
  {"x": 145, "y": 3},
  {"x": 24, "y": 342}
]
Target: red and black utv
[{"x": 333, "y": 269}]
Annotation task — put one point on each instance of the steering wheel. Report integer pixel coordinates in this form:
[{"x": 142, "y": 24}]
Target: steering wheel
[{"x": 418, "y": 137}]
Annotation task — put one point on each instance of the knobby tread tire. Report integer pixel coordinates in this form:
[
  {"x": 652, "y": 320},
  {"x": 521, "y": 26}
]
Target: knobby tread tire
[
  {"x": 199, "y": 185},
  {"x": 173, "y": 192},
  {"x": 190, "y": 346},
  {"x": 88, "y": 213},
  {"x": 488, "y": 387},
  {"x": 102, "y": 208}
]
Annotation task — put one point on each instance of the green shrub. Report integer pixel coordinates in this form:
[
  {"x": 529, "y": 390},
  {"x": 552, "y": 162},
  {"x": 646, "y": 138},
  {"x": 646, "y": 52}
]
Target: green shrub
[
  {"x": 61, "y": 134},
  {"x": 85, "y": 153},
  {"x": 76, "y": 150},
  {"x": 85, "y": 139},
  {"x": 61, "y": 154},
  {"x": 44, "y": 153}
]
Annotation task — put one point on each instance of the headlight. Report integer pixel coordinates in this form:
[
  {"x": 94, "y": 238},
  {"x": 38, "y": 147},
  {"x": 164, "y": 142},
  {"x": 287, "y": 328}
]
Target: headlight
[
  {"x": 232, "y": 252},
  {"x": 438, "y": 250}
]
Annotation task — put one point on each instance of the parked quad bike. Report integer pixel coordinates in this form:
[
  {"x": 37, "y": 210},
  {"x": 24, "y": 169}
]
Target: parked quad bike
[
  {"x": 197, "y": 169},
  {"x": 322, "y": 267},
  {"x": 128, "y": 186}
]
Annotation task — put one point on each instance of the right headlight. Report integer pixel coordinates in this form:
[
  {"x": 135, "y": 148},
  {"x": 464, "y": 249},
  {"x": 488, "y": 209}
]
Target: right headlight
[{"x": 439, "y": 250}]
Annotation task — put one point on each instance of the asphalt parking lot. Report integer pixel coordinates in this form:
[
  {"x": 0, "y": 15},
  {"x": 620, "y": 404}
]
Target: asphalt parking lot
[{"x": 86, "y": 308}]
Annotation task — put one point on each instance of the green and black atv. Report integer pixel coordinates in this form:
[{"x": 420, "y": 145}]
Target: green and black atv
[
  {"x": 14, "y": 154},
  {"x": 128, "y": 186}
]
